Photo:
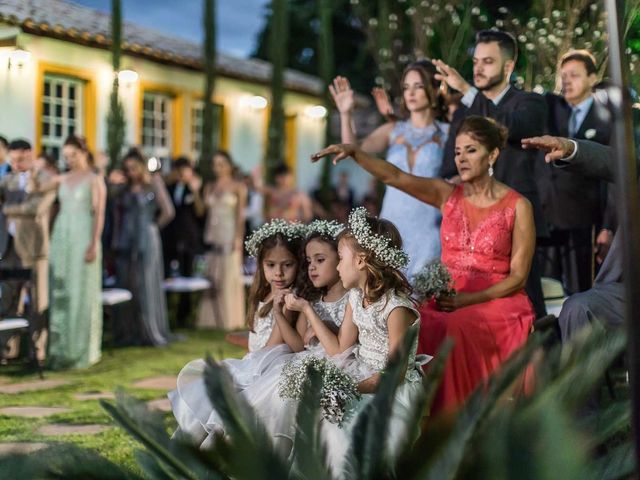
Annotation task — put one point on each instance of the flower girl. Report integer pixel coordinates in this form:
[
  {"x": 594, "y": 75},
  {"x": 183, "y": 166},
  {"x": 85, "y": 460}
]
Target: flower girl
[
  {"x": 276, "y": 246},
  {"x": 378, "y": 314},
  {"x": 322, "y": 292}
]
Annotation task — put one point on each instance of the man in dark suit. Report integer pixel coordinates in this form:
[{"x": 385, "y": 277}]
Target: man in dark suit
[
  {"x": 523, "y": 113},
  {"x": 573, "y": 203},
  {"x": 182, "y": 238},
  {"x": 605, "y": 301}
]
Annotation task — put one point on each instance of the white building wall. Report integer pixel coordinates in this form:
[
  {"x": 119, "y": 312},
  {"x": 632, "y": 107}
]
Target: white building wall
[{"x": 246, "y": 128}]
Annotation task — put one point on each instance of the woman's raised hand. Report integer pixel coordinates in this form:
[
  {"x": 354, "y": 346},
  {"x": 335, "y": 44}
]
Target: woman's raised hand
[
  {"x": 383, "y": 102},
  {"x": 342, "y": 94},
  {"x": 341, "y": 151}
]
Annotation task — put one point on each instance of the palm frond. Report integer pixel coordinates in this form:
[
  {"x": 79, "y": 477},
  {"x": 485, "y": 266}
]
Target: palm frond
[
  {"x": 147, "y": 427},
  {"x": 309, "y": 451},
  {"x": 245, "y": 435},
  {"x": 367, "y": 457}
]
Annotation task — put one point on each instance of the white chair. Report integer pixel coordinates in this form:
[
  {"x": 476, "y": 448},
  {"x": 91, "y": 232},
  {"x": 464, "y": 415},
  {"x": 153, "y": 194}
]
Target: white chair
[{"x": 554, "y": 295}]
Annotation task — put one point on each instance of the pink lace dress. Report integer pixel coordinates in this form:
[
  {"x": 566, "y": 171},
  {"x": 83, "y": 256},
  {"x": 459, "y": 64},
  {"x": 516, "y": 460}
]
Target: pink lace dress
[{"x": 476, "y": 248}]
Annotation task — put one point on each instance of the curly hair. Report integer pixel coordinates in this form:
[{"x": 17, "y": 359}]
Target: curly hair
[
  {"x": 260, "y": 288},
  {"x": 380, "y": 277}
]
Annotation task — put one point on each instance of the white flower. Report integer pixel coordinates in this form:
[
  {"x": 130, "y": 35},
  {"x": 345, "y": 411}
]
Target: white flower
[
  {"x": 289, "y": 230},
  {"x": 327, "y": 228},
  {"x": 433, "y": 281},
  {"x": 338, "y": 388},
  {"x": 379, "y": 245}
]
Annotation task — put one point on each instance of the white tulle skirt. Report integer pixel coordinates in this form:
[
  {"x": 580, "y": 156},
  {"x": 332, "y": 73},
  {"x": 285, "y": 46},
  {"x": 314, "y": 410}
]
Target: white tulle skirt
[
  {"x": 197, "y": 419},
  {"x": 279, "y": 414}
]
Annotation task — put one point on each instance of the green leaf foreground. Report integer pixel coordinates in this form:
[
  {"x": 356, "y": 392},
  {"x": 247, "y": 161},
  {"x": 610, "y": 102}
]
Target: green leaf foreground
[{"x": 495, "y": 434}]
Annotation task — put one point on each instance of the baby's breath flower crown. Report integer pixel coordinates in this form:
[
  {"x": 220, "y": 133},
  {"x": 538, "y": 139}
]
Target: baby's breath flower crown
[
  {"x": 327, "y": 228},
  {"x": 381, "y": 246},
  {"x": 289, "y": 230}
]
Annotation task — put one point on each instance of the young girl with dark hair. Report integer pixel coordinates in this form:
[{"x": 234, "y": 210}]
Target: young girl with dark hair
[{"x": 276, "y": 246}]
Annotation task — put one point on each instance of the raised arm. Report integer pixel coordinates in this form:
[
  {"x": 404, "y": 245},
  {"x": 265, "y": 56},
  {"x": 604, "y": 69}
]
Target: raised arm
[
  {"x": 433, "y": 191},
  {"x": 344, "y": 98},
  {"x": 167, "y": 210},
  {"x": 522, "y": 250}
]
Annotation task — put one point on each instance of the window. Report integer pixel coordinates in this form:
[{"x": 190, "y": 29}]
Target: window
[
  {"x": 62, "y": 112},
  {"x": 156, "y": 126},
  {"x": 197, "y": 116}
]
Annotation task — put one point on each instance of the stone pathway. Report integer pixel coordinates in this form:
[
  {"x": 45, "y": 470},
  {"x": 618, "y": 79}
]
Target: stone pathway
[
  {"x": 17, "y": 448},
  {"x": 32, "y": 411},
  {"x": 94, "y": 396},
  {"x": 13, "y": 388},
  {"x": 157, "y": 383},
  {"x": 160, "y": 405},
  {"x": 69, "y": 429}
]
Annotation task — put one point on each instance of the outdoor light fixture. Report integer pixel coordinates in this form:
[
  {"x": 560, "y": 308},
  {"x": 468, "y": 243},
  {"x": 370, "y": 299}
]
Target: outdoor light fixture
[
  {"x": 255, "y": 102},
  {"x": 153, "y": 164},
  {"x": 18, "y": 58},
  {"x": 127, "y": 77},
  {"x": 316, "y": 111}
]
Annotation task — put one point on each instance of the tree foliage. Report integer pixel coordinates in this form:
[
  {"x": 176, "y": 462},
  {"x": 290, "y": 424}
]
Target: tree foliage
[
  {"x": 115, "y": 118},
  {"x": 209, "y": 66}
]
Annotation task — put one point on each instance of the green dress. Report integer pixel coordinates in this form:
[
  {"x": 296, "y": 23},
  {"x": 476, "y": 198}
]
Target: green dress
[{"x": 75, "y": 320}]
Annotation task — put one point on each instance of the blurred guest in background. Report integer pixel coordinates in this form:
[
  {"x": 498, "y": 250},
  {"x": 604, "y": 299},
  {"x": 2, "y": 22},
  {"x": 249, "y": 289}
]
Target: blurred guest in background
[
  {"x": 5, "y": 165},
  {"x": 75, "y": 319},
  {"x": 141, "y": 205},
  {"x": 182, "y": 237},
  {"x": 284, "y": 200},
  {"x": 24, "y": 238},
  {"x": 222, "y": 306}
]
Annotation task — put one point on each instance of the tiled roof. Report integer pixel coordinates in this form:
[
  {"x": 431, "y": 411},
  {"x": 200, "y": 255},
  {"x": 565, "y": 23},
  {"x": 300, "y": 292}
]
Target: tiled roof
[{"x": 76, "y": 23}]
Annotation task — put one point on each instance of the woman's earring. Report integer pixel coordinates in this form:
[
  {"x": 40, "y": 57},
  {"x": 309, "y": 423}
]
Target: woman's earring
[{"x": 490, "y": 170}]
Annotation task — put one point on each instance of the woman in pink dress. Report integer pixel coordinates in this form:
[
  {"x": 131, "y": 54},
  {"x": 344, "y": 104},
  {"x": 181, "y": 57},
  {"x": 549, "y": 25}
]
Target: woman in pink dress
[{"x": 488, "y": 240}]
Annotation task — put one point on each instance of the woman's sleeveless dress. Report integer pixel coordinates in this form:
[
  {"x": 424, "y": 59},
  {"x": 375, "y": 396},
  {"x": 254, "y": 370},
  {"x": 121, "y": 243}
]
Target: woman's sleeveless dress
[
  {"x": 417, "y": 222},
  {"x": 476, "y": 248}
]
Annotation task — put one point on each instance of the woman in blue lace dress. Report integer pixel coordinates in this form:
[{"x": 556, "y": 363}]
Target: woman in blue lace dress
[{"x": 416, "y": 146}]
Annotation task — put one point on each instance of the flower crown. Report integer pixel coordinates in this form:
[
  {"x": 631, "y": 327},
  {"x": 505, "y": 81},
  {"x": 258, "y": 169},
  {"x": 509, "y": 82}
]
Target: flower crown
[
  {"x": 327, "y": 228},
  {"x": 380, "y": 245},
  {"x": 289, "y": 230}
]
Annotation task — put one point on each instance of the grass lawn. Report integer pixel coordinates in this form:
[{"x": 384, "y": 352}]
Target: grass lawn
[{"x": 119, "y": 367}]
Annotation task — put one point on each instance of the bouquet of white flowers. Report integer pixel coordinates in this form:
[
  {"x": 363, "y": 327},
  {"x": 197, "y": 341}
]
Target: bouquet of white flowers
[
  {"x": 338, "y": 388},
  {"x": 433, "y": 281}
]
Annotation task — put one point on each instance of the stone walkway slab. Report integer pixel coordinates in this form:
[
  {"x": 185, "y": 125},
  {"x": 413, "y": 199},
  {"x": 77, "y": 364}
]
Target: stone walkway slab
[
  {"x": 32, "y": 386},
  {"x": 94, "y": 396},
  {"x": 18, "y": 448},
  {"x": 32, "y": 411},
  {"x": 157, "y": 383},
  {"x": 160, "y": 405},
  {"x": 67, "y": 429}
]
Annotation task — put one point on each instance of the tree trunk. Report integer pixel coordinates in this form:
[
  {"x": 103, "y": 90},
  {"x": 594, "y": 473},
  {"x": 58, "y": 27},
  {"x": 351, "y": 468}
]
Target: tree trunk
[
  {"x": 278, "y": 41},
  {"x": 325, "y": 50},
  {"x": 209, "y": 67},
  {"x": 115, "y": 117}
]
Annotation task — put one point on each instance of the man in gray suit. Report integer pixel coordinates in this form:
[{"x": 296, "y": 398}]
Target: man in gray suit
[{"x": 605, "y": 301}]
